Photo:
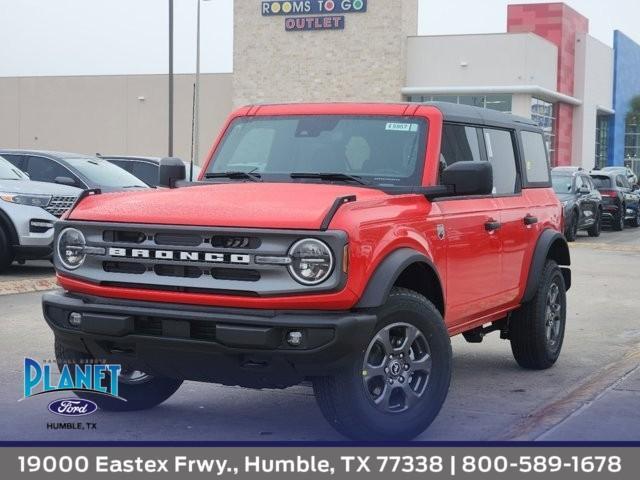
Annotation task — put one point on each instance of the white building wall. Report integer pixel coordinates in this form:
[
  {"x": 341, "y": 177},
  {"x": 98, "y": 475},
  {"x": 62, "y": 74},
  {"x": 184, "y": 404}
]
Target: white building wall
[
  {"x": 482, "y": 60},
  {"x": 594, "y": 86}
]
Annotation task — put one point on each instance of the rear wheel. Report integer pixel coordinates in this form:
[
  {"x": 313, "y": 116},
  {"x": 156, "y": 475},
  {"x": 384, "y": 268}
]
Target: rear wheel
[
  {"x": 6, "y": 252},
  {"x": 397, "y": 382},
  {"x": 596, "y": 228},
  {"x": 140, "y": 390},
  {"x": 536, "y": 330},
  {"x": 571, "y": 230},
  {"x": 618, "y": 219}
]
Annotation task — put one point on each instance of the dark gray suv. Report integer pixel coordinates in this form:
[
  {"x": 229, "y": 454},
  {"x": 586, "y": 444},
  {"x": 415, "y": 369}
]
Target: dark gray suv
[{"x": 581, "y": 201}]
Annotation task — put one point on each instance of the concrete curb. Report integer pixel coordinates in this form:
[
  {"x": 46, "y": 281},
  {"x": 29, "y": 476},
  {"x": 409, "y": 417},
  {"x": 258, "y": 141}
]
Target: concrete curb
[{"x": 27, "y": 285}]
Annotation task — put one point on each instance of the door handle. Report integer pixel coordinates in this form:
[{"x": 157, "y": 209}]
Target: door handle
[
  {"x": 492, "y": 225},
  {"x": 530, "y": 220}
]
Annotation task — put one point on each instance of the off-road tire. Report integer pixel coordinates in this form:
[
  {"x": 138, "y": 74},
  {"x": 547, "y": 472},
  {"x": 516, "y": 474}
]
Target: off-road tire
[
  {"x": 531, "y": 346},
  {"x": 348, "y": 406},
  {"x": 571, "y": 231},
  {"x": 595, "y": 229},
  {"x": 139, "y": 396},
  {"x": 618, "y": 219}
]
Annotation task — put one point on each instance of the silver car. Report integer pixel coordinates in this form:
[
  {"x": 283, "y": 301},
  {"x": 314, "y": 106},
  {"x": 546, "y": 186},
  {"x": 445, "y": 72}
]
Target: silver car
[{"x": 28, "y": 211}]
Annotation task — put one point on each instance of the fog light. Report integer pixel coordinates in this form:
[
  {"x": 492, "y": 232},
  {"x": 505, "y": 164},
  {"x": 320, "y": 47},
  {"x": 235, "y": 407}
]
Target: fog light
[
  {"x": 75, "y": 319},
  {"x": 294, "y": 338}
]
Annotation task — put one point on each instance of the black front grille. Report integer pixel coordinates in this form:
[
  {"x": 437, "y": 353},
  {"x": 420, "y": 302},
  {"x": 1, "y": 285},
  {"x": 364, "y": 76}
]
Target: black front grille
[
  {"x": 235, "y": 274},
  {"x": 125, "y": 236},
  {"x": 225, "y": 241},
  {"x": 124, "y": 267},
  {"x": 177, "y": 271},
  {"x": 178, "y": 239}
]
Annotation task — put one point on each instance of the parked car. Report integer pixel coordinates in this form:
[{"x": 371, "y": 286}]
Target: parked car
[
  {"x": 145, "y": 168},
  {"x": 630, "y": 174},
  {"x": 581, "y": 201},
  {"x": 28, "y": 211},
  {"x": 620, "y": 202},
  {"x": 73, "y": 169},
  {"x": 346, "y": 259}
]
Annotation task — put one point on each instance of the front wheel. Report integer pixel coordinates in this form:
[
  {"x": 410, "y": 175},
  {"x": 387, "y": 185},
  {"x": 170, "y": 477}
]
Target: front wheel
[
  {"x": 571, "y": 230},
  {"x": 536, "y": 330},
  {"x": 618, "y": 219},
  {"x": 140, "y": 390},
  {"x": 396, "y": 384},
  {"x": 596, "y": 228},
  {"x": 6, "y": 252}
]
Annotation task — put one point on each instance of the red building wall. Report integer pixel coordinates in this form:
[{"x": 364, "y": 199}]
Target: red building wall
[{"x": 559, "y": 24}]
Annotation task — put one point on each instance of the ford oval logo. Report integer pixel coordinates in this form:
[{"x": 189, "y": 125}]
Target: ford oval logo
[{"x": 72, "y": 407}]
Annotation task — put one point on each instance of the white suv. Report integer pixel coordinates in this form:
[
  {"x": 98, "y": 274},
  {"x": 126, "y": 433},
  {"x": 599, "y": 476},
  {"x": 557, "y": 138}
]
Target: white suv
[{"x": 28, "y": 211}]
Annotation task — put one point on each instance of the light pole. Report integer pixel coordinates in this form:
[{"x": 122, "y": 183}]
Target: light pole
[
  {"x": 196, "y": 104},
  {"x": 170, "y": 78}
]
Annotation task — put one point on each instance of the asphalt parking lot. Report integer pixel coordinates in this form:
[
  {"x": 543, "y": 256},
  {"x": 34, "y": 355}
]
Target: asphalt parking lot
[{"x": 593, "y": 393}]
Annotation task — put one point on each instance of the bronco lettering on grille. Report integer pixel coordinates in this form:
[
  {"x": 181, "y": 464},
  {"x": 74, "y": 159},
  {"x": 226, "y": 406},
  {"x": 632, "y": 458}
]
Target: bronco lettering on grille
[{"x": 180, "y": 256}]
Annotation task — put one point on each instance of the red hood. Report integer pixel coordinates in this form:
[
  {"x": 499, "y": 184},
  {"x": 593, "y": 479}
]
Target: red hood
[{"x": 257, "y": 205}]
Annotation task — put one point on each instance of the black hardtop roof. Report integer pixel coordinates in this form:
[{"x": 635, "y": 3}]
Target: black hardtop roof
[{"x": 453, "y": 112}]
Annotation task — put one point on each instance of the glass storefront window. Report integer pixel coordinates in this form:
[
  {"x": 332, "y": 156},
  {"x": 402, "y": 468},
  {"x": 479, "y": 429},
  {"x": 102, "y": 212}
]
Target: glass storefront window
[
  {"x": 543, "y": 113},
  {"x": 632, "y": 141},
  {"x": 602, "y": 141}
]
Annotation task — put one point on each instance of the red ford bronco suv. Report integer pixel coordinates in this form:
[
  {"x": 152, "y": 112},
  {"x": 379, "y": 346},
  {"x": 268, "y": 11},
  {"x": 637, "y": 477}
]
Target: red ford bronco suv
[{"x": 341, "y": 244}]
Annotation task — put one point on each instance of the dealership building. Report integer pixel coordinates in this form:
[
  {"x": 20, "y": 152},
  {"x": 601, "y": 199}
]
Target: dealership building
[{"x": 544, "y": 66}]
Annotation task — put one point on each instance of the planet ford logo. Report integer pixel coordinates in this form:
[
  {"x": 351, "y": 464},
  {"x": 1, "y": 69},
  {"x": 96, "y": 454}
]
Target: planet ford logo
[{"x": 72, "y": 407}]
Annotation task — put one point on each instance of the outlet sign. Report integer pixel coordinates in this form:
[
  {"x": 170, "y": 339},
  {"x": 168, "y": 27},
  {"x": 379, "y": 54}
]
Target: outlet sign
[
  {"x": 325, "y": 22},
  {"x": 312, "y": 7}
]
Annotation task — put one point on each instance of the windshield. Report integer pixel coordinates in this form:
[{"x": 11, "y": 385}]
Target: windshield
[
  {"x": 104, "y": 173},
  {"x": 601, "y": 181},
  {"x": 376, "y": 149},
  {"x": 9, "y": 172},
  {"x": 562, "y": 183}
]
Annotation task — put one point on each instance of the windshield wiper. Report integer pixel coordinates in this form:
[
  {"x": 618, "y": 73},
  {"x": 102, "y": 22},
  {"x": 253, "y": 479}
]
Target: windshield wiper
[
  {"x": 331, "y": 176},
  {"x": 254, "y": 177}
]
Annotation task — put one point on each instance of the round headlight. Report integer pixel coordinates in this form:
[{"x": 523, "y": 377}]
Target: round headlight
[
  {"x": 70, "y": 247},
  {"x": 311, "y": 261}
]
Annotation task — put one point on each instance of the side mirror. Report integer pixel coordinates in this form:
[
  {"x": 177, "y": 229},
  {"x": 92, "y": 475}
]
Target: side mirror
[
  {"x": 584, "y": 189},
  {"x": 469, "y": 178},
  {"x": 65, "y": 181},
  {"x": 171, "y": 170}
]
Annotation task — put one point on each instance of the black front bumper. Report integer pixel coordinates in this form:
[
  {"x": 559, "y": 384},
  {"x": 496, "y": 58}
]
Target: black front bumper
[{"x": 222, "y": 345}]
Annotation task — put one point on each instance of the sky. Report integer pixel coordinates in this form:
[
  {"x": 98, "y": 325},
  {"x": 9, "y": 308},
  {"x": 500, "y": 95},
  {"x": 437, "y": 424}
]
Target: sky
[{"x": 102, "y": 37}]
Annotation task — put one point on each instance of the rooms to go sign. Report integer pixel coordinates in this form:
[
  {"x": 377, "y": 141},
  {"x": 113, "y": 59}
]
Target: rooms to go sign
[{"x": 310, "y": 7}]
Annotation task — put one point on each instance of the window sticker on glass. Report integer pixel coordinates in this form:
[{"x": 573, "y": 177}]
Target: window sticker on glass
[{"x": 402, "y": 127}]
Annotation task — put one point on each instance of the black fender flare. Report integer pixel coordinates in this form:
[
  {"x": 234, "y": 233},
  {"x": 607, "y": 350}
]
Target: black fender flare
[
  {"x": 7, "y": 224},
  {"x": 386, "y": 274},
  {"x": 550, "y": 243}
]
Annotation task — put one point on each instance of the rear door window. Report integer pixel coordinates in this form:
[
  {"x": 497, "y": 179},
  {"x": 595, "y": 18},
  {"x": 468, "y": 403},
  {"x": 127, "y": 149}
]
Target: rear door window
[
  {"x": 535, "y": 157},
  {"x": 502, "y": 156}
]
